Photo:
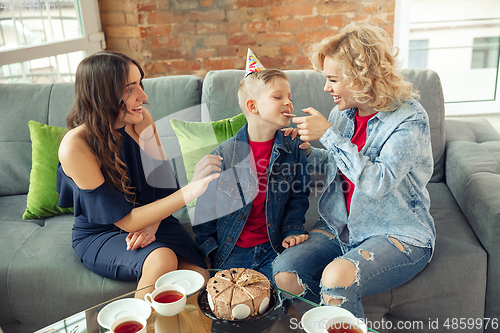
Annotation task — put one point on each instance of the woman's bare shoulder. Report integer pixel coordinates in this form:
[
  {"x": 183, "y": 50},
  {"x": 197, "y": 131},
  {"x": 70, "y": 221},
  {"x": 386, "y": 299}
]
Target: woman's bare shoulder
[{"x": 78, "y": 161}]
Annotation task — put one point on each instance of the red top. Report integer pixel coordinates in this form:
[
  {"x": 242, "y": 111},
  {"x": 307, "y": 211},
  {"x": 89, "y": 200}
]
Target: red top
[
  {"x": 255, "y": 230},
  {"x": 359, "y": 139}
]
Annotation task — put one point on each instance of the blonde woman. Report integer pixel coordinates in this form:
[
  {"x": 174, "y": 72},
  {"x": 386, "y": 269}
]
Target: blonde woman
[{"x": 375, "y": 231}]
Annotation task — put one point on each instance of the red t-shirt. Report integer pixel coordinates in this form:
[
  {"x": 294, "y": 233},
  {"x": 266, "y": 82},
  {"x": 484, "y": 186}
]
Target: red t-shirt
[
  {"x": 255, "y": 230},
  {"x": 359, "y": 139}
]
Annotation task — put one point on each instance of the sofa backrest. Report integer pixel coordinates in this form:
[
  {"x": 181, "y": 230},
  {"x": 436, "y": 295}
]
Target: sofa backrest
[
  {"x": 176, "y": 97},
  {"x": 429, "y": 87},
  {"x": 184, "y": 97},
  {"x": 50, "y": 103},
  {"x": 19, "y": 103},
  {"x": 220, "y": 96}
]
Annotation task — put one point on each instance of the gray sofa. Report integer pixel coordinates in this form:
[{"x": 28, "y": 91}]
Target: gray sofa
[{"x": 42, "y": 281}]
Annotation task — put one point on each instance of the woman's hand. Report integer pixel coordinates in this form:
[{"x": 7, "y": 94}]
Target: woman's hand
[
  {"x": 207, "y": 165},
  {"x": 313, "y": 127},
  {"x": 294, "y": 240},
  {"x": 196, "y": 188},
  {"x": 295, "y": 133},
  {"x": 205, "y": 171},
  {"x": 141, "y": 238}
]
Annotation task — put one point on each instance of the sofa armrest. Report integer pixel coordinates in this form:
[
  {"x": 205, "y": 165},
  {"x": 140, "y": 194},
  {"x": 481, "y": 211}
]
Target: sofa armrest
[
  {"x": 477, "y": 130},
  {"x": 473, "y": 177},
  {"x": 473, "y": 174}
]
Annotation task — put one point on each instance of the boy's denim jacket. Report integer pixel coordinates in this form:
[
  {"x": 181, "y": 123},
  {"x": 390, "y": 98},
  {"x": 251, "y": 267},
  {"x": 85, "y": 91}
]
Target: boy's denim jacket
[
  {"x": 390, "y": 175},
  {"x": 221, "y": 212}
]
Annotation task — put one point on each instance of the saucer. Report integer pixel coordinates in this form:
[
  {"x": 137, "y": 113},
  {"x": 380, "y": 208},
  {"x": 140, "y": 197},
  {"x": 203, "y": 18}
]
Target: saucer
[
  {"x": 121, "y": 308},
  {"x": 191, "y": 281},
  {"x": 314, "y": 320}
]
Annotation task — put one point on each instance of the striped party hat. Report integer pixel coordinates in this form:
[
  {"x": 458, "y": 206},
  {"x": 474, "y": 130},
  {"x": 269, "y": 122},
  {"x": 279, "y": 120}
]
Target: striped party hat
[{"x": 253, "y": 64}]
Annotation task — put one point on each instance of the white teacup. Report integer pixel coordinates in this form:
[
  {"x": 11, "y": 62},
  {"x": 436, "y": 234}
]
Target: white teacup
[
  {"x": 132, "y": 319},
  {"x": 167, "y": 309},
  {"x": 346, "y": 322}
]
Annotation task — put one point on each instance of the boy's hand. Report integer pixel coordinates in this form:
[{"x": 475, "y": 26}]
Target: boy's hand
[
  {"x": 313, "y": 127},
  {"x": 290, "y": 130},
  {"x": 295, "y": 133},
  {"x": 294, "y": 240}
]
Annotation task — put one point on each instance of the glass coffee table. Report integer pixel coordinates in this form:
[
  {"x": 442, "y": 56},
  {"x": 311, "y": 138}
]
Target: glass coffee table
[{"x": 283, "y": 318}]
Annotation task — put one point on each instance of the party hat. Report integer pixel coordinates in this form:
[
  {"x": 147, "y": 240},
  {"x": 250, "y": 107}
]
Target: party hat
[{"x": 253, "y": 64}]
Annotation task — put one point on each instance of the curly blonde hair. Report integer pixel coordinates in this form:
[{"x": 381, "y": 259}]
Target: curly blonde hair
[{"x": 367, "y": 62}]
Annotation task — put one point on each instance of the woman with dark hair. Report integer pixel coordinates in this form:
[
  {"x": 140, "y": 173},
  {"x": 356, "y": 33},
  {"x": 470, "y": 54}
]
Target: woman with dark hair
[{"x": 124, "y": 228}]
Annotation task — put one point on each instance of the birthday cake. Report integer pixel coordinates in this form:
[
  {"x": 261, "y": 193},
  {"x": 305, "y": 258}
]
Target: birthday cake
[{"x": 238, "y": 293}]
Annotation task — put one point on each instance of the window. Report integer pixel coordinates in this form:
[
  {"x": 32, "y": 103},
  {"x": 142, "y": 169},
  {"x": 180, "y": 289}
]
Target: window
[
  {"x": 43, "y": 41},
  {"x": 461, "y": 45},
  {"x": 485, "y": 52},
  {"x": 419, "y": 49}
]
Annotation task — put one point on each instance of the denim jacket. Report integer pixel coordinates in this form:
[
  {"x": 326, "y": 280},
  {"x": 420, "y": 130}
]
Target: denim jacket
[
  {"x": 221, "y": 212},
  {"x": 390, "y": 175}
]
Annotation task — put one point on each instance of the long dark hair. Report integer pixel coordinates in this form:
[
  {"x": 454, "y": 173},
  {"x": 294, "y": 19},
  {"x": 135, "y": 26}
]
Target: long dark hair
[{"x": 100, "y": 83}]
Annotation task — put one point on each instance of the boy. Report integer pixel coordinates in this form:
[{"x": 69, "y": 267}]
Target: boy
[{"x": 257, "y": 206}]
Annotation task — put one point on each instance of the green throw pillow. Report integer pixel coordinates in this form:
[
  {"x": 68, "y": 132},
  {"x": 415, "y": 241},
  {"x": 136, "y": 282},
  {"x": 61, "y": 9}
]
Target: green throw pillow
[
  {"x": 198, "y": 139},
  {"x": 42, "y": 195}
]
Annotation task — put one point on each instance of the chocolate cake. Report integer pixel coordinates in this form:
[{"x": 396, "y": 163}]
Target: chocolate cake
[{"x": 238, "y": 293}]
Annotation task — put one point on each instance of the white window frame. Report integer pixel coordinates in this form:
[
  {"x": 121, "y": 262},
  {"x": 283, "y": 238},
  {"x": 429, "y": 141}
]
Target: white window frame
[
  {"x": 92, "y": 41},
  {"x": 402, "y": 41}
]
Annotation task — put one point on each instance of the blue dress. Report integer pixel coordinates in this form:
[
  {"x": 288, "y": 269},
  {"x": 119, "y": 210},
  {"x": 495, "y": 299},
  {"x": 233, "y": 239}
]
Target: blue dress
[{"x": 99, "y": 244}]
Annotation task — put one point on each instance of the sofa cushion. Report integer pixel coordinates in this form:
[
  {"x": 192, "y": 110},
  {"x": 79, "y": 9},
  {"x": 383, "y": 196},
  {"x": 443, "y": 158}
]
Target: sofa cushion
[
  {"x": 62, "y": 98},
  {"x": 44, "y": 103},
  {"x": 169, "y": 95},
  {"x": 42, "y": 196},
  {"x": 14, "y": 133},
  {"x": 12, "y": 208},
  {"x": 14, "y": 236},
  {"x": 15, "y": 165}
]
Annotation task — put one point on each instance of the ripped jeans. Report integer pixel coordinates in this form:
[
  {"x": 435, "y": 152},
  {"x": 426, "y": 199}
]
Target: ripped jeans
[{"x": 386, "y": 267}]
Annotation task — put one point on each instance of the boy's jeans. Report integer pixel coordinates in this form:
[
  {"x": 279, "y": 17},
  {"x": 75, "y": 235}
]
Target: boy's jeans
[
  {"x": 387, "y": 267},
  {"x": 259, "y": 258}
]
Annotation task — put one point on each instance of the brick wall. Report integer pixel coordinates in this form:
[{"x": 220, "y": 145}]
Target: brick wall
[{"x": 195, "y": 36}]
